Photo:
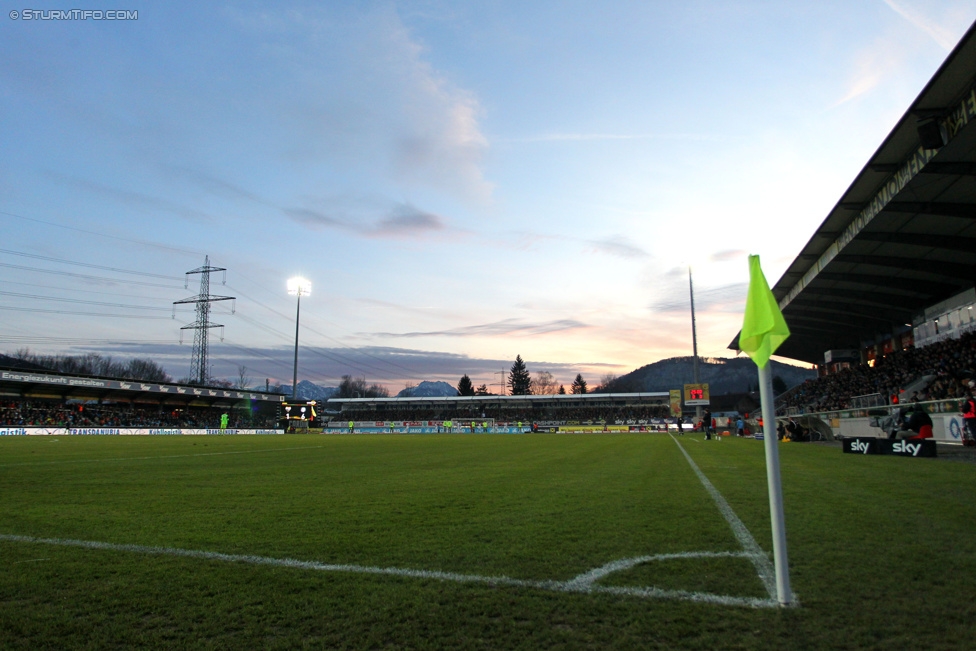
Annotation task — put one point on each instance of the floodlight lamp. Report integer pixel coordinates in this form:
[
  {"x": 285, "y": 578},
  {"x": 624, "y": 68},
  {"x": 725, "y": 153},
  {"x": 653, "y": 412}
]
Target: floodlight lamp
[{"x": 299, "y": 286}]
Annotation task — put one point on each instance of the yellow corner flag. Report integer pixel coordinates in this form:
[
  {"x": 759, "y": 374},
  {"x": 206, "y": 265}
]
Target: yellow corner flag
[{"x": 763, "y": 326}]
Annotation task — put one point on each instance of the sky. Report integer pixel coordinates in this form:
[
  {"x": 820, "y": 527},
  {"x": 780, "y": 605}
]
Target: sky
[{"x": 461, "y": 182}]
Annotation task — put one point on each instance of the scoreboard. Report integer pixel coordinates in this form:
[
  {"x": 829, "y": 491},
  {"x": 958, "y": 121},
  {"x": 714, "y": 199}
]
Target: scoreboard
[{"x": 696, "y": 394}]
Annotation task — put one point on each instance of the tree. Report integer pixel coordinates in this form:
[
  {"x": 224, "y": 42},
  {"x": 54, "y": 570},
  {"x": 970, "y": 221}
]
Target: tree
[
  {"x": 144, "y": 370},
  {"x": 562, "y": 390},
  {"x": 606, "y": 383},
  {"x": 242, "y": 379},
  {"x": 519, "y": 380},
  {"x": 351, "y": 387},
  {"x": 544, "y": 384},
  {"x": 482, "y": 390},
  {"x": 579, "y": 384},
  {"x": 779, "y": 385},
  {"x": 464, "y": 386},
  {"x": 376, "y": 390}
]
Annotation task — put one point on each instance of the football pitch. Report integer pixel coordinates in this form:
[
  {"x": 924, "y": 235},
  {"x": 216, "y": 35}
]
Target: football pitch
[{"x": 476, "y": 541}]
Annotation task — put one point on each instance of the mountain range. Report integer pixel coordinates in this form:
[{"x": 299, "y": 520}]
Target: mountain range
[{"x": 724, "y": 376}]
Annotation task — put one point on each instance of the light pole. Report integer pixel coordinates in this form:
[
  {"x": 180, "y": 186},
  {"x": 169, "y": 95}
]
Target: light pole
[
  {"x": 299, "y": 287},
  {"x": 694, "y": 339}
]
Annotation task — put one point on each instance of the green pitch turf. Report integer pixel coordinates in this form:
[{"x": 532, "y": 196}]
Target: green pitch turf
[{"x": 469, "y": 541}]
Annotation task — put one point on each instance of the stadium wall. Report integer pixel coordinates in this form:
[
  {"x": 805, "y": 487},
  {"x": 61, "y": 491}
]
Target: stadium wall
[{"x": 127, "y": 431}]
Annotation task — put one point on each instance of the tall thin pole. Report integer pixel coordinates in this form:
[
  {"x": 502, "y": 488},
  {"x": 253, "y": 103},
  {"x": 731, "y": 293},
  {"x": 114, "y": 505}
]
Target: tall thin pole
[
  {"x": 694, "y": 338},
  {"x": 294, "y": 380},
  {"x": 770, "y": 442}
]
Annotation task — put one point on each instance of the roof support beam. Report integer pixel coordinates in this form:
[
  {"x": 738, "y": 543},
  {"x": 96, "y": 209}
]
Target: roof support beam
[
  {"x": 961, "y": 168},
  {"x": 887, "y": 283},
  {"x": 885, "y": 313},
  {"x": 937, "y": 208},
  {"x": 966, "y": 244},
  {"x": 964, "y": 272},
  {"x": 877, "y": 298},
  {"x": 837, "y": 317}
]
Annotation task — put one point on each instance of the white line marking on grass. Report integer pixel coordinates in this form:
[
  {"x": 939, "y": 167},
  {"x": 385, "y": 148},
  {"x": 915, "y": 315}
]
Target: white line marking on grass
[
  {"x": 33, "y": 560},
  {"x": 764, "y": 567},
  {"x": 165, "y": 456},
  {"x": 593, "y": 575},
  {"x": 582, "y": 584}
]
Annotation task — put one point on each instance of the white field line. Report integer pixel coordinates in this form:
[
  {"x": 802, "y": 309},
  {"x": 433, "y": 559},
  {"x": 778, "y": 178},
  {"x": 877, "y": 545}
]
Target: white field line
[
  {"x": 584, "y": 583},
  {"x": 164, "y": 456},
  {"x": 764, "y": 567}
]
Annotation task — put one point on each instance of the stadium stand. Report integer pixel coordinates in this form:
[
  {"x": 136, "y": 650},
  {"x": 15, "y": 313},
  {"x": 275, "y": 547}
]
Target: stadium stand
[
  {"x": 940, "y": 371},
  {"x": 59, "y": 413},
  {"x": 46, "y": 399},
  {"x": 590, "y": 409}
]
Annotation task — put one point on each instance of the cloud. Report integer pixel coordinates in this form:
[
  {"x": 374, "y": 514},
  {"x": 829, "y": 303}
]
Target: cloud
[
  {"x": 313, "y": 218},
  {"x": 325, "y": 366},
  {"x": 213, "y": 185},
  {"x": 889, "y": 54},
  {"x": 726, "y": 298},
  {"x": 944, "y": 37},
  {"x": 132, "y": 198},
  {"x": 725, "y": 256},
  {"x": 597, "y": 137},
  {"x": 368, "y": 218},
  {"x": 407, "y": 220},
  {"x": 618, "y": 245},
  {"x": 355, "y": 90},
  {"x": 497, "y": 328}
]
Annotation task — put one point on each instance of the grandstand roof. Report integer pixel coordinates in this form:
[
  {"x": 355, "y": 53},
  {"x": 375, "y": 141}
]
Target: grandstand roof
[
  {"x": 659, "y": 397},
  {"x": 48, "y": 384},
  {"x": 903, "y": 235}
]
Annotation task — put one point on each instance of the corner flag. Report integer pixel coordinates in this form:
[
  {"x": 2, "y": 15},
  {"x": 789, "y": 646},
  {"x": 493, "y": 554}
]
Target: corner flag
[
  {"x": 763, "y": 330},
  {"x": 763, "y": 327}
]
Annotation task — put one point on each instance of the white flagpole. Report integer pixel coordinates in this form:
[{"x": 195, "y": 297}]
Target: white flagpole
[{"x": 771, "y": 443}]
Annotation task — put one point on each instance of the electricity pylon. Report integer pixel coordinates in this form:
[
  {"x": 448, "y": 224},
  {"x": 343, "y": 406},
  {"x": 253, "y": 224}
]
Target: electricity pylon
[{"x": 201, "y": 336}]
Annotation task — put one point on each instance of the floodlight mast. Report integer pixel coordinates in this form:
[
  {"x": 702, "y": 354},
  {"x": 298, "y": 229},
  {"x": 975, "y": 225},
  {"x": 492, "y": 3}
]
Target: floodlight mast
[
  {"x": 694, "y": 341},
  {"x": 299, "y": 287}
]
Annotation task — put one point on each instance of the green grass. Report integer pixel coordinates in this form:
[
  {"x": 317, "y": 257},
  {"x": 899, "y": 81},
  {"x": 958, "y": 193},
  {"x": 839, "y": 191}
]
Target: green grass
[{"x": 882, "y": 549}]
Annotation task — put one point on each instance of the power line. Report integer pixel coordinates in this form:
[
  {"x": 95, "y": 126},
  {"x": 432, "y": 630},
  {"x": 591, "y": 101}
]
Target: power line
[
  {"x": 85, "y": 276},
  {"x": 78, "y": 300},
  {"x": 78, "y": 340},
  {"x": 334, "y": 357},
  {"x": 86, "y": 264},
  {"x": 105, "y": 235},
  {"x": 101, "y": 314},
  {"x": 412, "y": 372},
  {"x": 273, "y": 360},
  {"x": 73, "y": 290}
]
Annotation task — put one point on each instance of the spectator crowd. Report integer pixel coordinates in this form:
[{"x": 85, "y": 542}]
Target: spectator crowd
[
  {"x": 59, "y": 413},
  {"x": 949, "y": 366},
  {"x": 526, "y": 414}
]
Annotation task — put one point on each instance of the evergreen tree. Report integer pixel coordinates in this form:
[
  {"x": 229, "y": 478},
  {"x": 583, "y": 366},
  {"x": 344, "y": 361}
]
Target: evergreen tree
[
  {"x": 482, "y": 390},
  {"x": 464, "y": 387},
  {"x": 519, "y": 380},
  {"x": 579, "y": 384},
  {"x": 562, "y": 390},
  {"x": 779, "y": 385}
]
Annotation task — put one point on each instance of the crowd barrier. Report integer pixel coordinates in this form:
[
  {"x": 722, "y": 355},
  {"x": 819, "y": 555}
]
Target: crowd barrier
[
  {"x": 127, "y": 431},
  {"x": 947, "y": 425},
  {"x": 433, "y": 427}
]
